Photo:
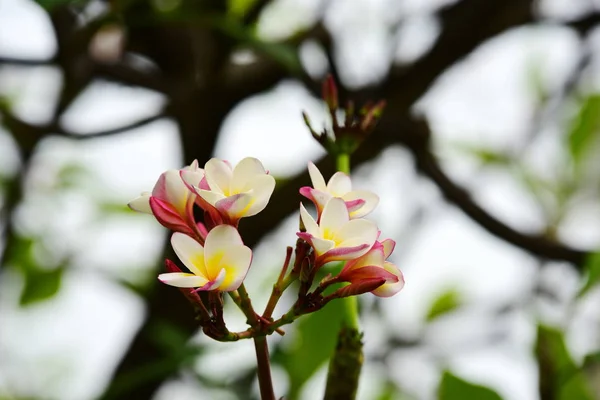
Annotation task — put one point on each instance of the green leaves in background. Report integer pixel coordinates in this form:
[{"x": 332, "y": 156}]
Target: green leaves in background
[
  {"x": 238, "y": 8},
  {"x": 592, "y": 270},
  {"x": 51, "y": 4},
  {"x": 560, "y": 377},
  {"x": 585, "y": 127},
  {"x": 446, "y": 302},
  {"x": 455, "y": 388},
  {"x": 314, "y": 337},
  {"x": 40, "y": 283}
]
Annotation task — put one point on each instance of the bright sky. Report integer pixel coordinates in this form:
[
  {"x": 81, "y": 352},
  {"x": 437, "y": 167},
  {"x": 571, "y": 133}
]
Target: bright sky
[{"x": 485, "y": 100}]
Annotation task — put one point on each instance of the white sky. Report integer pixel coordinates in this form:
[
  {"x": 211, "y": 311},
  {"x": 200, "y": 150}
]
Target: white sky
[{"x": 485, "y": 100}]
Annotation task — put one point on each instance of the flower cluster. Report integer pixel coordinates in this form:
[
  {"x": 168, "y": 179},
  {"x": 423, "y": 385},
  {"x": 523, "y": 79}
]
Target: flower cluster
[{"x": 217, "y": 260}]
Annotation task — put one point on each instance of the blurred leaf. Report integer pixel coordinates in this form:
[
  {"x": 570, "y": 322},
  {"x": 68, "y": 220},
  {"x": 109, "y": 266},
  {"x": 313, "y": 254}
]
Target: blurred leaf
[
  {"x": 592, "y": 270},
  {"x": 559, "y": 375},
  {"x": 455, "y": 388},
  {"x": 446, "y": 302},
  {"x": 71, "y": 175},
  {"x": 486, "y": 156},
  {"x": 51, "y": 4},
  {"x": 40, "y": 284},
  {"x": 238, "y": 8},
  {"x": 585, "y": 127},
  {"x": 314, "y": 338},
  {"x": 108, "y": 207}
]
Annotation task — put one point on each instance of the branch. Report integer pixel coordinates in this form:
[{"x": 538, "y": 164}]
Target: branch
[
  {"x": 415, "y": 137},
  {"x": 22, "y": 62},
  {"x": 113, "y": 131}
]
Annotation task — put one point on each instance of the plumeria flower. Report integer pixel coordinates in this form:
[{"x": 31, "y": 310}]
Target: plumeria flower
[
  {"x": 372, "y": 273},
  {"x": 171, "y": 201},
  {"x": 359, "y": 202},
  {"x": 336, "y": 237},
  {"x": 237, "y": 192},
  {"x": 222, "y": 264}
]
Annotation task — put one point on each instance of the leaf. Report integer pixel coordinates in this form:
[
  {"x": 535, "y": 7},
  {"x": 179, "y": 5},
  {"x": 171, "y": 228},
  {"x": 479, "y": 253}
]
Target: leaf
[
  {"x": 559, "y": 375},
  {"x": 446, "y": 302},
  {"x": 238, "y": 8},
  {"x": 455, "y": 388},
  {"x": 51, "y": 4},
  {"x": 40, "y": 285},
  {"x": 486, "y": 156},
  {"x": 585, "y": 127},
  {"x": 315, "y": 338},
  {"x": 592, "y": 270}
]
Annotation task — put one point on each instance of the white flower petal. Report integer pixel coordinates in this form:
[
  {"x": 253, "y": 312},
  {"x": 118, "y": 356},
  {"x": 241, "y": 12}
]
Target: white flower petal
[
  {"x": 219, "y": 238},
  {"x": 309, "y": 223},
  {"x": 211, "y": 197},
  {"x": 357, "y": 231},
  {"x": 235, "y": 206},
  {"x": 316, "y": 177},
  {"x": 176, "y": 192},
  {"x": 370, "y": 198},
  {"x": 244, "y": 172},
  {"x": 388, "y": 247},
  {"x": 182, "y": 280},
  {"x": 190, "y": 252},
  {"x": 141, "y": 204},
  {"x": 390, "y": 289},
  {"x": 321, "y": 246},
  {"x": 262, "y": 189},
  {"x": 334, "y": 216},
  {"x": 373, "y": 257},
  {"x": 218, "y": 175},
  {"x": 339, "y": 184},
  {"x": 236, "y": 263},
  {"x": 192, "y": 178}
]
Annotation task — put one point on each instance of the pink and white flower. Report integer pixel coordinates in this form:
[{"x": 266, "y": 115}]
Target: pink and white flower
[
  {"x": 359, "y": 202},
  {"x": 237, "y": 192},
  {"x": 171, "y": 201},
  {"x": 364, "y": 272},
  {"x": 221, "y": 264},
  {"x": 336, "y": 237}
]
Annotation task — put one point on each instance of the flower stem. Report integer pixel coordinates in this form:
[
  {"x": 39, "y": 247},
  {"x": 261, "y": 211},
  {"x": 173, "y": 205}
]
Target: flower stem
[
  {"x": 343, "y": 163},
  {"x": 265, "y": 382}
]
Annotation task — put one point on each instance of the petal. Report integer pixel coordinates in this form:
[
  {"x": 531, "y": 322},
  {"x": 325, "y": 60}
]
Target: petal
[
  {"x": 354, "y": 205},
  {"x": 370, "y": 198},
  {"x": 390, "y": 289},
  {"x": 356, "y": 231},
  {"x": 369, "y": 272},
  {"x": 339, "y": 184},
  {"x": 344, "y": 253},
  {"x": 316, "y": 177},
  {"x": 141, "y": 203},
  {"x": 316, "y": 196},
  {"x": 236, "y": 263},
  {"x": 210, "y": 196},
  {"x": 191, "y": 253},
  {"x": 360, "y": 287},
  {"x": 309, "y": 223},
  {"x": 234, "y": 206},
  {"x": 322, "y": 246},
  {"x": 219, "y": 238},
  {"x": 262, "y": 190},
  {"x": 244, "y": 172},
  {"x": 374, "y": 257},
  {"x": 182, "y": 279},
  {"x": 388, "y": 247},
  {"x": 218, "y": 175},
  {"x": 334, "y": 216},
  {"x": 191, "y": 178},
  {"x": 171, "y": 188},
  {"x": 167, "y": 216}
]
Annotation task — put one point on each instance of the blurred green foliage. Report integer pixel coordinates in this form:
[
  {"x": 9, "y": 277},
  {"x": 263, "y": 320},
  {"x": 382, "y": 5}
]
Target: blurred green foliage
[
  {"x": 455, "y": 388},
  {"x": 445, "y": 303}
]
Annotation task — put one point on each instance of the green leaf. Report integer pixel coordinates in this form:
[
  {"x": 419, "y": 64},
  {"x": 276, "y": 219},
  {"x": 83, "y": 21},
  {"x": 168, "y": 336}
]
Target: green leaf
[
  {"x": 238, "y": 8},
  {"x": 51, "y": 4},
  {"x": 40, "y": 285},
  {"x": 592, "y": 270},
  {"x": 455, "y": 388},
  {"x": 486, "y": 156},
  {"x": 314, "y": 338},
  {"x": 446, "y": 302},
  {"x": 559, "y": 375},
  {"x": 585, "y": 127}
]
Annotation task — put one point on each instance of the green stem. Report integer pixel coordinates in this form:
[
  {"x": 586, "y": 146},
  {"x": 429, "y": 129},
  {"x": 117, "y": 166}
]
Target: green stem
[{"x": 343, "y": 163}]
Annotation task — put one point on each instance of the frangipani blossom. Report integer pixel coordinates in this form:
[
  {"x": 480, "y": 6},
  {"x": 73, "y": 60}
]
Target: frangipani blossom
[
  {"x": 239, "y": 192},
  {"x": 364, "y": 272},
  {"x": 336, "y": 237},
  {"x": 359, "y": 202},
  {"x": 171, "y": 201},
  {"x": 222, "y": 264}
]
